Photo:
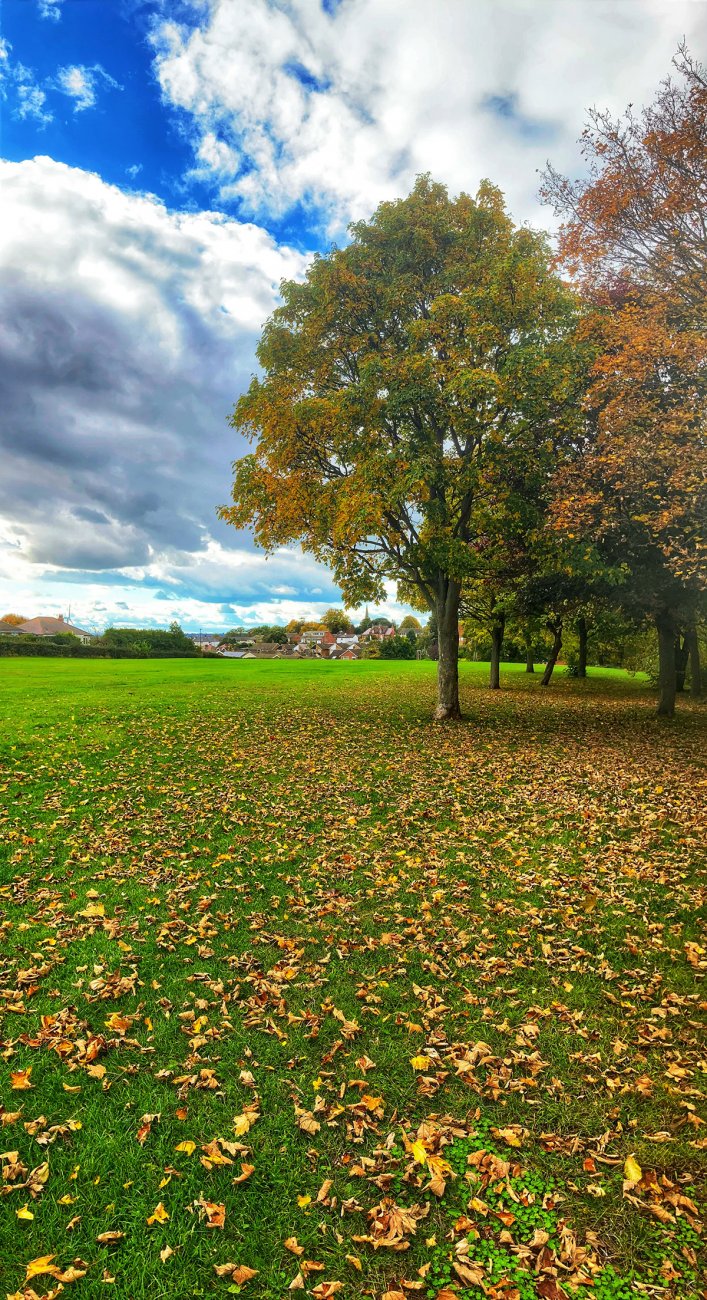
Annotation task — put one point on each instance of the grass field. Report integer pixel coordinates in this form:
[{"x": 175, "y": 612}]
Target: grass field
[{"x": 294, "y": 980}]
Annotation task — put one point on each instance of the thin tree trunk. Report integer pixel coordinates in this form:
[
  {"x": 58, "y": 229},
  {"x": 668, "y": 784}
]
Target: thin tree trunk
[
  {"x": 682, "y": 654},
  {"x": 582, "y": 634},
  {"x": 529, "y": 665},
  {"x": 695, "y": 670},
  {"x": 665, "y": 624},
  {"x": 497, "y": 633},
  {"x": 447, "y": 609},
  {"x": 556, "y": 629}
]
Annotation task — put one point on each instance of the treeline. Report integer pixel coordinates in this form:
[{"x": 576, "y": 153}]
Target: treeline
[{"x": 512, "y": 433}]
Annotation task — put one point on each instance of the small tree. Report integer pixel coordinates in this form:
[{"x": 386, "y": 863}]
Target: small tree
[
  {"x": 397, "y": 647},
  {"x": 337, "y": 620},
  {"x": 390, "y": 374}
]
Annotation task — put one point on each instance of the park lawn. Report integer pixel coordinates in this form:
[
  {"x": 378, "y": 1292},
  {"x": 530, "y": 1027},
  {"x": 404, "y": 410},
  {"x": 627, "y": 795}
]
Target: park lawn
[{"x": 282, "y": 961}]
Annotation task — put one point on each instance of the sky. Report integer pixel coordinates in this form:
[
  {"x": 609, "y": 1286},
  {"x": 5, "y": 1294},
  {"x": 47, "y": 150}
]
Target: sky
[{"x": 164, "y": 164}]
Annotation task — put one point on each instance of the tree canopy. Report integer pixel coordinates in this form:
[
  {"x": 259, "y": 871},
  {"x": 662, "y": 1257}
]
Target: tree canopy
[
  {"x": 397, "y": 378},
  {"x": 635, "y": 237}
]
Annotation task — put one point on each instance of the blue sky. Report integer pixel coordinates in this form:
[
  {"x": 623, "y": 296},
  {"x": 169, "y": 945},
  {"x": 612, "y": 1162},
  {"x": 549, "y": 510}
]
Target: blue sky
[
  {"x": 165, "y": 163},
  {"x": 127, "y": 128}
]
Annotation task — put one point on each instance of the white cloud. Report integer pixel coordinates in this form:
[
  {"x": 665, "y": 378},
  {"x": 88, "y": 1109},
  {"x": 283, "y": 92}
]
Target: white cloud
[
  {"x": 81, "y": 84},
  {"x": 31, "y": 100},
  {"x": 289, "y": 103},
  {"x": 216, "y": 588},
  {"x": 128, "y": 332},
  {"x": 50, "y": 9}
]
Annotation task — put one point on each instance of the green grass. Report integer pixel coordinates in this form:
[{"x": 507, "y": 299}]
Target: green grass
[{"x": 292, "y": 858}]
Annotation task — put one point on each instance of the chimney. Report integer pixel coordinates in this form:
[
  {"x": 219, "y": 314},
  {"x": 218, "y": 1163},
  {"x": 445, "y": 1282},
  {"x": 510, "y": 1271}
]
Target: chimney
[{"x": 60, "y": 618}]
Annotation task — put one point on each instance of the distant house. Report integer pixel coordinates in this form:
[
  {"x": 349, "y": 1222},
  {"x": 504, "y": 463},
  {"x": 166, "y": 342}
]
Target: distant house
[
  {"x": 326, "y": 645},
  {"x": 54, "y": 627},
  {"x": 9, "y": 629},
  {"x": 206, "y": 640},
  {"x": 268, "y": 650},
  {"x": 378, "y": 631}
]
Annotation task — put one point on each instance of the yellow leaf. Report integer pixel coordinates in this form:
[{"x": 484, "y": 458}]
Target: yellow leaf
[
  {"x": 632, "y": 1170},
  {"x": 188, "y": 1147},
  {"x": 159, "y": 1215},
  {"x": 41, "y": 1265},
  {"x": 24, "y": 1213},
  {"x": 303, "y": 1201},
  {"x": 418, "y": 1152},
  {"x": 508, "y": 1135},
  {"x": 93, "y": 910},
  {"x": 420, "y": 1062}
]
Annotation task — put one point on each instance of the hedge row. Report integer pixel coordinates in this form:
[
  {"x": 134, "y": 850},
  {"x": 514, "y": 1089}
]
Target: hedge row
[{"x": 10, "y": 649}]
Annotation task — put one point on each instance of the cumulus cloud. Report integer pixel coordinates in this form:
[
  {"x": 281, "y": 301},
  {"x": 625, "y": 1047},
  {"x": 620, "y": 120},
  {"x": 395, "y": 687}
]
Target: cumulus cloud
[
  {"x": 340, "y": 106},
  {"x": 127, "y": 333},
  {"x": 81, "y": 84}
]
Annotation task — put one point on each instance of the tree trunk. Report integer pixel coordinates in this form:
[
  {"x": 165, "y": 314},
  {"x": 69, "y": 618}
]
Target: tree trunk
[
  {"x": 529, "y": 665},
  {"x": 497, "y": 633},
  {"x": 682, "y": 654},
  {"x": 665, "y": 624},
  {"x": 582, "y": 634},
  {"x": 556, "y": 629},
  {"x": 447, "y": 610},
  {"x": 693, "y": 645}
]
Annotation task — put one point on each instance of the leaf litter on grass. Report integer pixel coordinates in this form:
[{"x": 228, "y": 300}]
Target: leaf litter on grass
[{"x": 427, "y": 1002}]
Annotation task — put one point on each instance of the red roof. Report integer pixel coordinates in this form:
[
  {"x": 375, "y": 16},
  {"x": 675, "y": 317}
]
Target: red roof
[{"x": 51, "y": 626}]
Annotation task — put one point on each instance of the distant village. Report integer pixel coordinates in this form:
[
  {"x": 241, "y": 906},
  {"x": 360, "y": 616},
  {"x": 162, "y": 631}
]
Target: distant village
[
  {"x": 335, "y": 637},
  {"x": 306, "y": 643}
]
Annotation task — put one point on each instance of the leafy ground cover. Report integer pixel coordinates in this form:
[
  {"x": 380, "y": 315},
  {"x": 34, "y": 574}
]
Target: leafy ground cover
[{"x": 303, "y": 992}]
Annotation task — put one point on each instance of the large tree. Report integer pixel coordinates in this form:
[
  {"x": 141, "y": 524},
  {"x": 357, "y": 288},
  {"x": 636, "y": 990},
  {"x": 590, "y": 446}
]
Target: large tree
[
  {"x": 389, "y": 375},
  {"x": 635, "y": 234}
]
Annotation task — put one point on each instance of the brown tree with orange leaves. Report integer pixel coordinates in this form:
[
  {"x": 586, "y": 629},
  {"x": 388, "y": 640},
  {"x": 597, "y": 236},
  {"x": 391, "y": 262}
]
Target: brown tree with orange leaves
[{"x": 635, "y": 238}]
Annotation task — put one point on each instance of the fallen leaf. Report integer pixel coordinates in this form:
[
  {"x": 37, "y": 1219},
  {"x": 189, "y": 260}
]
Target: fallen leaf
[
  {"x": 632, "y": 1170},
  {"x": 159, "y": 1215},
  {"x": 20, "y": 1079}
]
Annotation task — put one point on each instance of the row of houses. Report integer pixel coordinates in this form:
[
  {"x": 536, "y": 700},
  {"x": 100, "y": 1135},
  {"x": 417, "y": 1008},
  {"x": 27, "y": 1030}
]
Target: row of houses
[
  {"x": 324, "y": 646},
  {"x": 316, "y": 643}
]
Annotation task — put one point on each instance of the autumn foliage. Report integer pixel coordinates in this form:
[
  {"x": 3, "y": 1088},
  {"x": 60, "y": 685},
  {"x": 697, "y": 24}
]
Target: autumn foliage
[{"x": 635, "y": 239}]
